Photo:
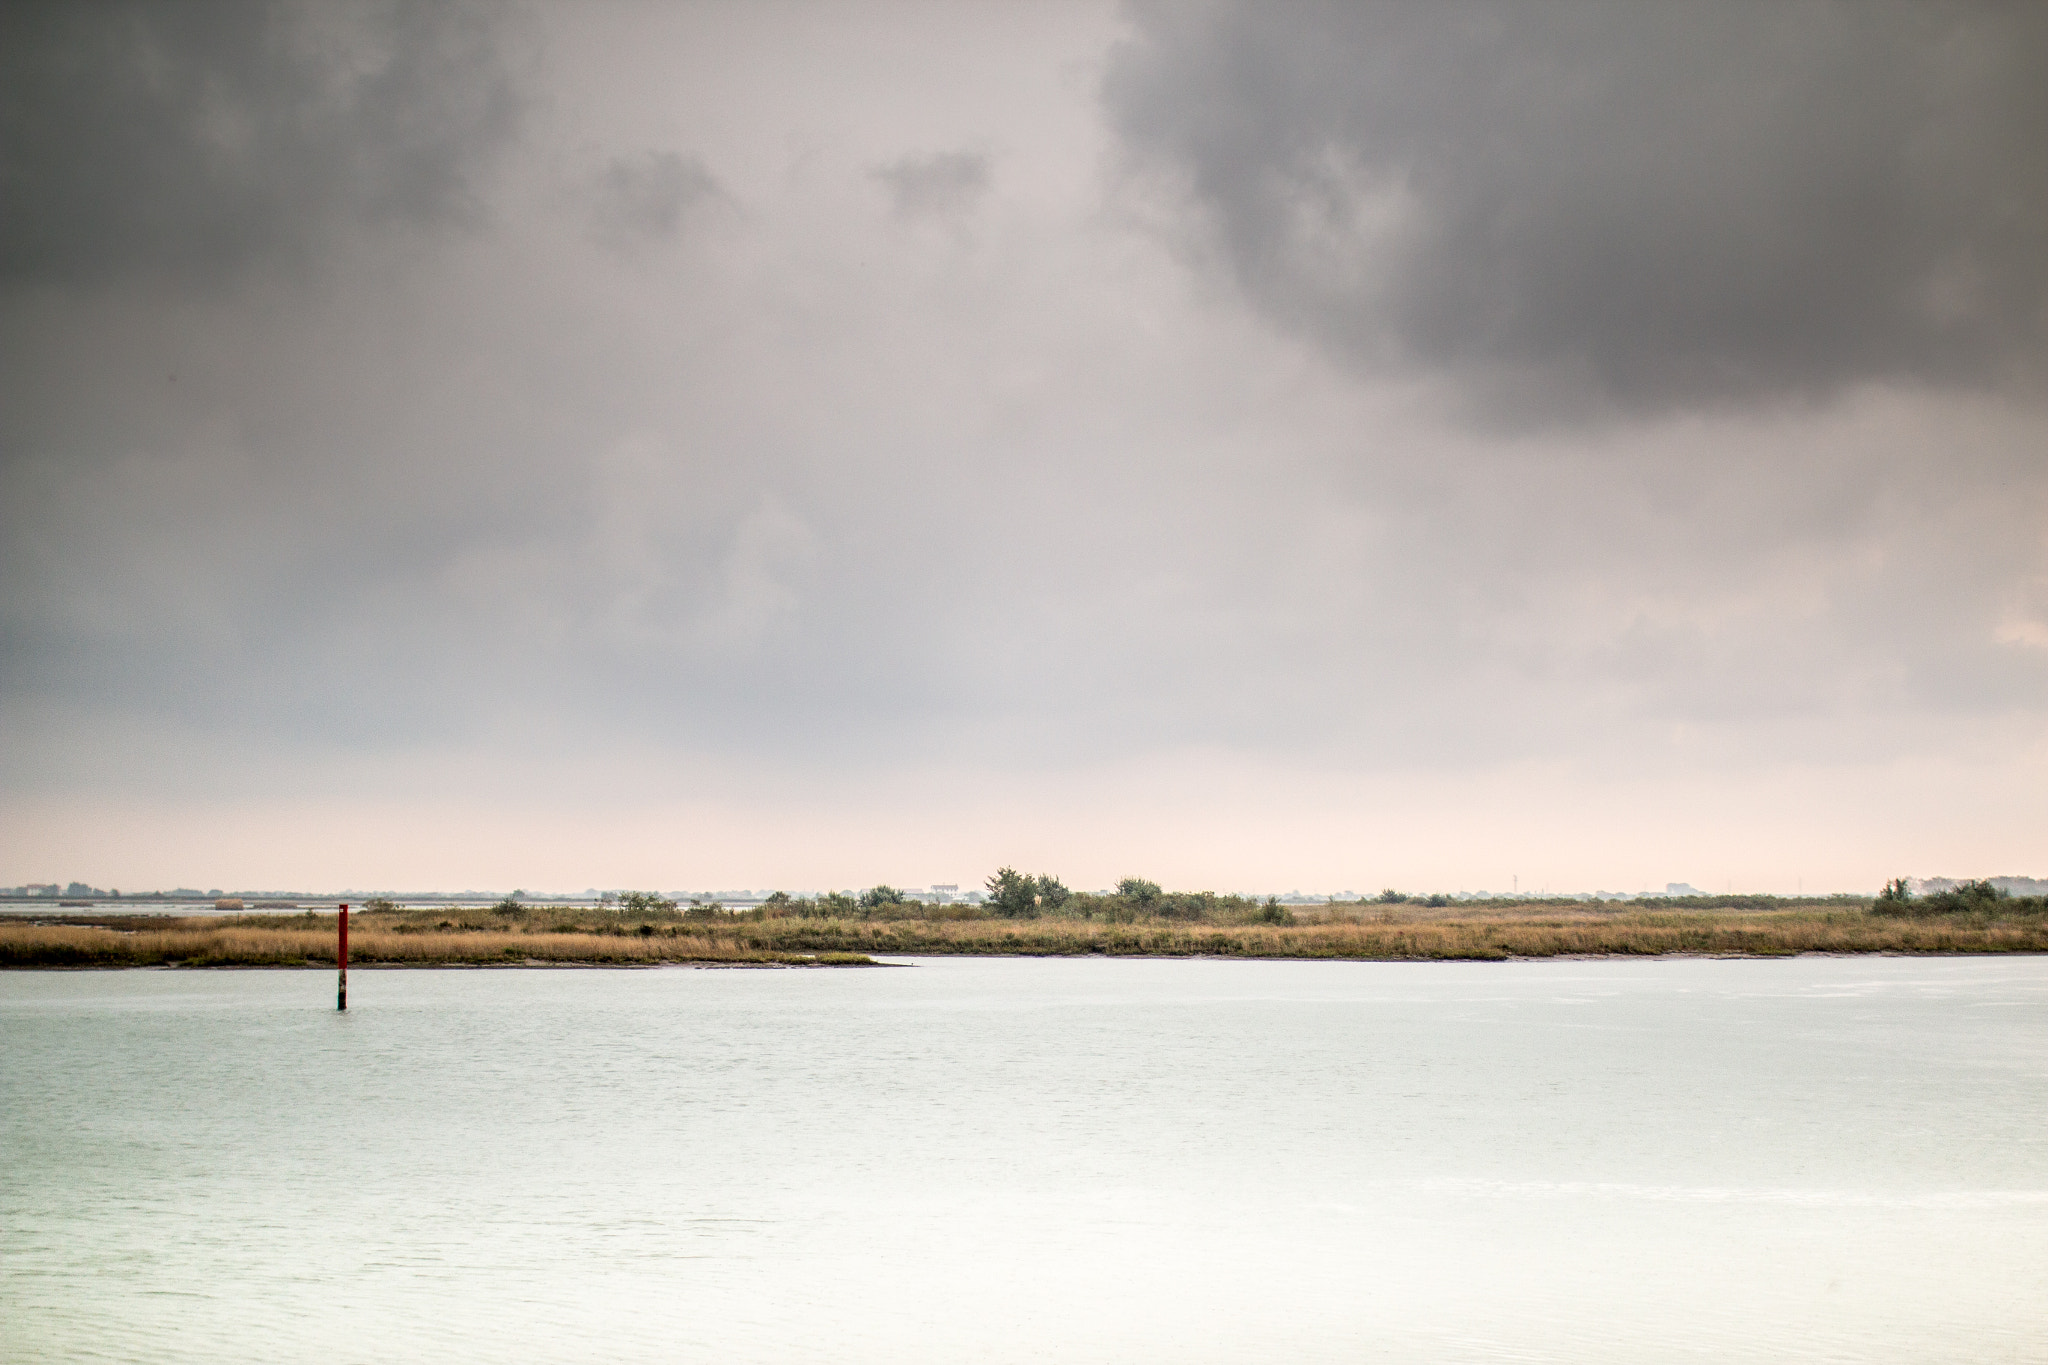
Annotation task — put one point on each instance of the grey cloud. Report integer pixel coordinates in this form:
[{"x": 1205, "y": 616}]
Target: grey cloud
[
  {"x": 941, "y": 184},
  {"x": 195, "y": 137},
  {"x": 831, "y": 495},
  {"x": 646, "y": 197},
  {"x": 1656, "y": 207}
]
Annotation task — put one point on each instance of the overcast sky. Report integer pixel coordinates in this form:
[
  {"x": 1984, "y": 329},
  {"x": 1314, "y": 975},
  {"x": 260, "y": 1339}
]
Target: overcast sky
[{"x": 1251, "y": 446}]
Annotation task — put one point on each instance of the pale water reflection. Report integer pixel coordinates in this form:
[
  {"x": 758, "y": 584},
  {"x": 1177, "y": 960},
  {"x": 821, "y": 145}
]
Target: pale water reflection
[{"x": 1010, "y": 1160}]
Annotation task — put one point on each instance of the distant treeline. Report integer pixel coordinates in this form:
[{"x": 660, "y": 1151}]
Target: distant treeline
[
  {"x": 648, "y": 936},
  {"x": 1015, "y": 895},
  {"x": 1011, "y": 895},
  {"x": 1969, "y": 898}
]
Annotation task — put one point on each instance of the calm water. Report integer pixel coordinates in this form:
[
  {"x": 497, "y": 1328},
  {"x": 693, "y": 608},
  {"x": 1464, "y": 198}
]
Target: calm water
[{"x": 1006, "y": 1160}]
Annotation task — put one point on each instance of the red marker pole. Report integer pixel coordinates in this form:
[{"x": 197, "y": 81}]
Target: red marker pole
[{"x": 341, "y": 956}]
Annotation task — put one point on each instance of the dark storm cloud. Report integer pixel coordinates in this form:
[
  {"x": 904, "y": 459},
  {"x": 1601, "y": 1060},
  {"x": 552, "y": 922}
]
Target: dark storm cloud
[
  {"x": 1653, "y": 206},
  {"x": 759, "y": 435},
  {"x": 193, "y": 137},
  {"x": 646, "y": 197},
  {"x": 944, "y": 183}
]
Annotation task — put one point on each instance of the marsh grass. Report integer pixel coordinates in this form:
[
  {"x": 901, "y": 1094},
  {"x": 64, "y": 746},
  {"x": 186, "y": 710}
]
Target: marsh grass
[
  {"x": 211, "y": 943},
  {"x": 1492, "y": 937},
  {"x": 1364, "y": 931}
]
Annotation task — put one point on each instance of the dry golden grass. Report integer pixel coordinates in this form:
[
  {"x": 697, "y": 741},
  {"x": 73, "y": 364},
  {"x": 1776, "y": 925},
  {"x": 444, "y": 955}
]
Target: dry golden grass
[
  {"x": 419, "y": 938},
  {"x": 1493, "y": 937},
  {"x": 212, "y": 943}
]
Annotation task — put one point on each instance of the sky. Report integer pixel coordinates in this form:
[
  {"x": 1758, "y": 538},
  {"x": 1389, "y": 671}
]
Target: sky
[{"x": 1251, "y": 446}]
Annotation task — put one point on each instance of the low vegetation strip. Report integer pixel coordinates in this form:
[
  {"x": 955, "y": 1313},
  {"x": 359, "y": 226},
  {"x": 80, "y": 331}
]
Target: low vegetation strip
[
  {"x": 1398, "y": 940},
  {"x": 211, "y": 943},
  {"x": 513, "y": 935}
]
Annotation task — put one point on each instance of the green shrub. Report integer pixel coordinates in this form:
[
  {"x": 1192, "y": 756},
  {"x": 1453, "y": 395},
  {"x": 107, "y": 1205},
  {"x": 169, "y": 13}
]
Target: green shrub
[
  {"x": 1139, "y": 892},
  {"x": 1971, "y": 898},
  {"x": 1012, "y": 894},
  {"x": 1273, "y": 912}
]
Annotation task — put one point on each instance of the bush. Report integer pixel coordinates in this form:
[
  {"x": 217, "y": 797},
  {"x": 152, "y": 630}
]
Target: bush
[
  {"x": 1139, "y": 892},
  {"x": 1971, "y": 898},
  {"x": 1011, "y": 894},
  {"x": 1273, "y": 912},
  {"x": 1978, "y": 895}
]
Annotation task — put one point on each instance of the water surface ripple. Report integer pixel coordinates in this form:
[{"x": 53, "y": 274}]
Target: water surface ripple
[{"x": 1032, "y": 1160}]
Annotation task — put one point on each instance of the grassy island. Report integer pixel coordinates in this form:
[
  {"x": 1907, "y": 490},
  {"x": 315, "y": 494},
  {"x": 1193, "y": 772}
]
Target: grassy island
[{"x": 1139, "y": 920}]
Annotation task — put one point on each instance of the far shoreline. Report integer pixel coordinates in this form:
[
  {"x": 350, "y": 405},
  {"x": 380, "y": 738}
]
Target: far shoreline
[
  {"x": 360, "y": 967},
  {"x": 514, "y": 936}
]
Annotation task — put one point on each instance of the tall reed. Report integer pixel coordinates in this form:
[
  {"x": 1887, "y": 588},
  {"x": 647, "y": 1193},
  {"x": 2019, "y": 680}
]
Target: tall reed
[{"x": 1385, "y": 933}]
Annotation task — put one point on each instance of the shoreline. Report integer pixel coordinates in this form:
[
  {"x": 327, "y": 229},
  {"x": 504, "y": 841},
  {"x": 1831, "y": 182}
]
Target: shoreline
[
  {"x": 684, "y": 965},
  {"x": 539, "y": 939}
]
